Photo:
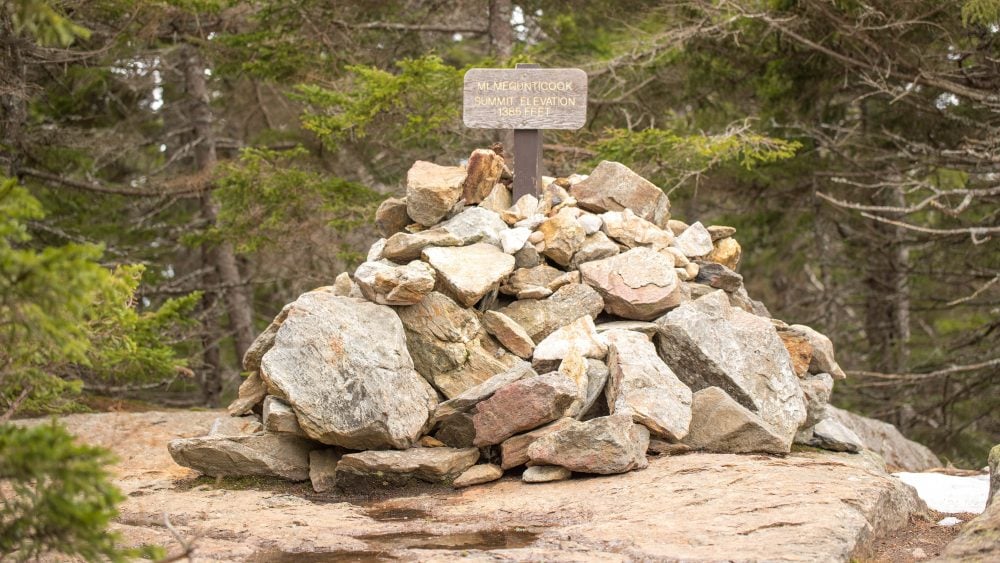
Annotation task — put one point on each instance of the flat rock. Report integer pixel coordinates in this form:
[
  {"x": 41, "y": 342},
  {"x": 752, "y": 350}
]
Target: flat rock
[
  {"x": 323, "y": 469},
  {"x": 404, "y": 247},
  {"x": 266, "y": 455},
  {"x": 523, "y": 405},
  {"x": 259, "y": 347},
  {"x": 475, "y": 395},
  {"x": 642, "y": 385},
  {"x": 720, "y": 424},
  {"x": 527, "y": 278},
  {"x": 510, "y": 334},
  {"x": 387, "y": 283},
  {"x": 605, "y": 445},
  {"x": 279, "y": 417},
  {"x": 562, "y": 237},
  {"x": 720, "y": 232},
  {"x": 541, "y": 317},
  {"x": 718, "y": 276},
  {"x": 379, "y": 469},
  {"x": 612, "y": 186},
  {"x": 483, "y": 172},
  {"x": 545, "y": 474},
  {"x": 595, "y": 247},
  {"x": 633, "y": 231},
  {"x": 391, "y": 217},
  {"x": 646, "y": 327},
  {"x": 707, "y": 342},
  {"x": 639, "y": 284},
  {"x": 831, "y": 434},
  {"x": 432, "y": 190},
  {"x": 695, "y": 241},
  {"x": 477, "y": 475},
  {"x": 579, "y": 336},
  {"x": 886, "y": 440},
  {"x": 468, "y": 273},
  {"x": 343, "y": 365},
  {"x": 475, "y": 224}
]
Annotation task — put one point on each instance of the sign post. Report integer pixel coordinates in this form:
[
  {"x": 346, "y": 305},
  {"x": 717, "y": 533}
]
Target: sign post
[{"x": 526, "y": 99}]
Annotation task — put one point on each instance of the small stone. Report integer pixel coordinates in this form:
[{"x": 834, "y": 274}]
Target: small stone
[
  {"x": 552, "y": 199},
  {"x": 727, "y": 252},
  {"x": 720, "y": 424},
  {"x": 595, "y": 247},
  {"x": 523, "y": 405},
  {"x": 606, "y": 445},
  {"x": 523, "y": 208},
  {"x": 612, "y": 186},
  {"x": 579, "y": 336},
  {"x": 695, "y": 241},
  {"x": 432, "y": 190},
  {"x": 597, "y": 378},
  {"x": 510, "y": 334},
  {"x": 822, "y": 357},
  {"x": 475, "y": 224},
  {"x": 663, "y": 447},
  {"x": 563, "y": 279},
  {"x": 718, "y": 276},
  {"x": 391, "y": 217},
  {"x": 375, "y": 251},
  {"x": 278, "y": 416},
  {"x": 918, "y": 553},
  {"x": 532, "y": 222},
  {"x": 477, "y": 475},
  {"x": 387, "y": 468},
  {"x": 527, "y": 257},
  {"x": 535, "y": 293},
  {"x": 639, "y": 284},
  {"x": 323, "y": 469},
  {"x": 430, "y": 442},
  {"x": 343, "y": 285},
  {"x": 545, "y": 474},
  {"x": 513, "y": 240},
  {"x": 404, "y": 247},
  {"x": 528, "y": 278},
  {"x": 682, "y": 274},
  {"x": 677, "y": 227},
  {"x": 645, "y": 327},
  {"x": 470, "y": 272},
  {"x": 799, "y": 350},
  {"x": 633, "y": 231},
  {"x": 387, "y": 283},
  {"x": 591, "y": 223},
  {"x": 483, "y": 172},
  {"x": 720, "y": 232},
  {"x": 514, "y": 450},
  {"x": 830, "y": 434},
  {"x": 267, "y": 455},
  {"x": 499, "y": 199},
  {"x": 541, "y": 317},
  {"x": 680, "y": 260},
  {"x": 816, "y": 388},
  {"x": 562, "y": 236}
]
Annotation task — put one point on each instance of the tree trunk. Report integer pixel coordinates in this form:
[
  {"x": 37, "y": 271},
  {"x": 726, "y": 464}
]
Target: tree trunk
[
  {"x": 502, "y": 47},
  {"x": 221, "y": 256}
]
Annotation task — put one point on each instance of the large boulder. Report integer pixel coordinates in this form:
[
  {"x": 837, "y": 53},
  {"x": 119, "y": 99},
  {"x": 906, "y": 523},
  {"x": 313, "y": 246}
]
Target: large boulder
[
  {"x": 377, "y": 469},
  {"x": 432, "y": 190},
  {"x": 605, "y": 445},
  {"x": 707, "y": 342},
  {"x": 343, "y": 366},
  {"x": 612, "y": 186},
  {"x": 542, "y": 317},
  {"x": 642, "y": 385},
  {"x": 720, "y": 424},
  {"x": 887, "y": 441},
  {"x": 266, "y": 455},
  {"x": 640, "y": 284},
  {"x": 523, "y": 405},
  {"x": 467, "y": 273}
]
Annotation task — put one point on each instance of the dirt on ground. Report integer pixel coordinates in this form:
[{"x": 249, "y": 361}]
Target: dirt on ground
[{"x": 922, "y": 539}]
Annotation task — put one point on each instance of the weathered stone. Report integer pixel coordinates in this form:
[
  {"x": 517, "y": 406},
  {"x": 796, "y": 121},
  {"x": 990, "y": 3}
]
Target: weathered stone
[
  {"x": 377, "y": 469},
  {"x": 499, "y": 199},
  {"x": 527, "y": 278},
  {"x": 591, "y": 223},
  {"x": 527, "y": 257},
  {"x": 579, "y": 336},
  {"x": 523, "y": 208},
  {"x": 432, "y": 190},
  {"x": 510, "y": 334},
  {"x": 514, "y": 239},
  {"x": 727, "y": 252},
  {"x": 614, "y": 187},
  {"x": 639, "y": 284},
  {"x": 816, "y": 389},
  {"x": 642, "y": 385},
  {"x": 343, "y": 366},
  {"x": 886, "y": 440},
  {"x": 235, "y": 426},
  {"x": 707, "y": 342},
  {"x": 545, "y": 474},
  {"x": 695, "y": 241},
  {"x": 477, "y": 475},
  {"x": 542, "y": 317},
  {"x": 267, "y": 455},
  {"x": 387, "y": 283},
  {"x": 279, "y": 417},
  {"x": 720, "y": 232},
  {"x": 323, "y": 469},
  {"x": 595, "y": 247},
  {"x": 799, "y": 350},
  {"x": 562, "y": 237},
  {"x": 523, "y": 405},
  {"x": 263, "y": 342},
  {"x": 475, "y": 224},
  {"x": 646, "y": 327},
  {"x": 252, "y": 391},
  {"x": 375, "y": 251},
  {"x": 633, "y": 231},
  {"x": 475, "y": 395},
  {"x": 606, "y": 445},
  {"x": 391, "y": 217},
  {"x": 720, "y": 424},
  {"x": 822, "y": 352},
  {"x": 718, "y": 276},
  {"x": 552, "y": 199},
  {"x": 468, "y": 273},
  {"x": 483, "y": 172},
  {"x": 830, "y": 434},
  {"x": 456, "y": 431}
]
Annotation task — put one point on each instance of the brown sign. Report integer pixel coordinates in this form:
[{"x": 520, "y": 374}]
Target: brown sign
[{"x": 525, "y": 98}]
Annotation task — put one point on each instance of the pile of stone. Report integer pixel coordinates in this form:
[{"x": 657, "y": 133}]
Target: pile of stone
[{"x": 573, "y": 332}]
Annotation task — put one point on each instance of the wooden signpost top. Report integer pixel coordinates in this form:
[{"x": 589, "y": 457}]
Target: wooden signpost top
[{"x": 526, "y": 99}]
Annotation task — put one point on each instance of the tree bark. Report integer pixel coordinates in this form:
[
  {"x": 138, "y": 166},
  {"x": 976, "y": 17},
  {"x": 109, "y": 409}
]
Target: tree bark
[
  {"x": 500, "y": 30},
  {"x": 221, "y": 256}
]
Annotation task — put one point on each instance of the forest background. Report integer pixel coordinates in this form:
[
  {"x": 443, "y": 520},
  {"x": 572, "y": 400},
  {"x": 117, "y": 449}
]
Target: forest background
[{"x": 173, "y": 172}]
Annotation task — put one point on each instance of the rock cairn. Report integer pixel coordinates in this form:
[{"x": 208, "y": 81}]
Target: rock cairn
[{"x": 571, "y": 332}]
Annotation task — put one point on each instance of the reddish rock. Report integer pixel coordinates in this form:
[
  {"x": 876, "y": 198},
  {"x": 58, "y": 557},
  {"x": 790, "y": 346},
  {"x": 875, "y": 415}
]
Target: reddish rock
[
  {"x": 523, "y": 405},
  {"x": 484, "y": 169}
]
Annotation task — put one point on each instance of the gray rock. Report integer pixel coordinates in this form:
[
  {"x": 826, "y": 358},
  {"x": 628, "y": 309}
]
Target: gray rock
[
  {"x": 514, "y": 450},
  {"x": 527, "y": 257},
  {"x": 343, "y": 285},
  {"x": 707, "y": 342},
  {"x": 606, "y": 445},
  {"x": 477, "y": 475},
  {"x": 645, "y": 327},
  {"x": 595, "y": 247},
  {"x": 718, "y": 276},
  {"x": 499, "y": 199},
  {"x": 432, "y": 190},
  {"x": 830, "y": 434},
  {"x": 720, "y": 424},
  {"x": 542, "y": 317},
  {"x": 639, "y": 284},
  {"x": 404, "y": 247},
  {"x": 279, "y": 417},
  {"x": 886, "y": 440},
  {"x": 695, "y": 241},
  {"x": 343, "y": 366},
  {"x": 235, "y": 426},
  {"x": 475, "y": 395},
  {"x": 263, "y": 342},
  {"x": 816, "y": 389},
  {"x": 377, "y": 469},
  {"x": 323, "y": 469},
  {"x": 266, "y": 455},
  {"x": 614, "y": 187},
  {"x": 475, "y": 224},
  {"x": 545, "y": 474},
  {"x": 822, "y": 359},
  {"x": 467, "y": 273},
  {"x": 386, "y": 283},
  {"x": 523, "y": 405},
  {"x": 643, "y": 386}
]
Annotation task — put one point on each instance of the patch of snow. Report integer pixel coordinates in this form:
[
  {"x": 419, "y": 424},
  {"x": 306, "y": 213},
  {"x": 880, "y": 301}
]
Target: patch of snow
[
  {"x": 949, "y": 493},
  {"x": 949, "y": 521}
]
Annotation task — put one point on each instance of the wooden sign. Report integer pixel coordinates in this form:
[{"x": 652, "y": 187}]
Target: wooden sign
[{"x": 525, "y": 98}]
